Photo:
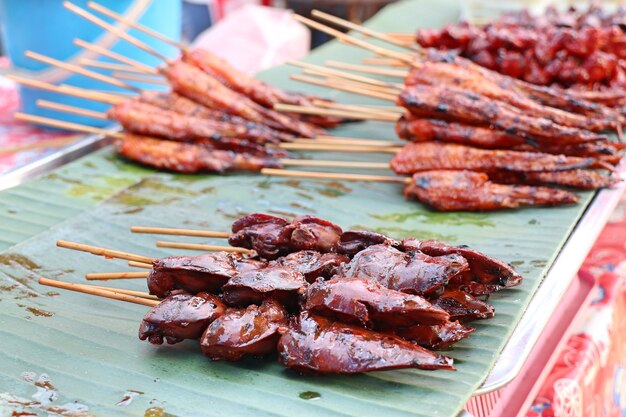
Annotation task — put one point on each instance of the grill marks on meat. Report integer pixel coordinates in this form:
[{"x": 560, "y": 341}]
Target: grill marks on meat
[
  {"x": 463, "y": 307},
  {"x": 206, "y": 272},
  {"x": 368, "y": 303},
  {"x": 188, "y": 157},
  {"x": 428, "y": 156},
  {"x": 578, "y": 178},
  {"x": 316, "y": 345},
  {"x": 253, "y": 331},
  {"x": 483, "y": 269},
  {"x": 455, "y": 104},
  {"x": 437, "y": 337},
  {"x": 313, "y": 264},
  {"x": 179, "y": 317},
  {"x": 472, "y": 191},
  {"x": 414, "y": 272},
  {"x": 251, "y": 287}
]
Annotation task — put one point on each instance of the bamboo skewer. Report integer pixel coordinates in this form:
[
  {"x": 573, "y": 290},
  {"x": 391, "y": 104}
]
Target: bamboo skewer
[
  {"x": 367, "y": 69},
  {"x": 351, "y": 88},
  {"x": 109, "y": 66},
  {"x": 387, "y": 110},
  {"x": 334, "y": 176},
  {"x": 107, "y": 253},
  {"x": 68, "y": 125},
  {"x": 178, "y": 232},
  {"x": 71, "y": 109},
  {"x": 332, "y": 112},
  {"x": 103, "y": 276},
  {"x": 42, "y": 144},
  {"x": 346, "y": 141},
  {"x": 139, "y": 66},
  {"x": 141, "y": 294},
  {"x": 343, "y": 74},
  {"x": 138, "y": 78},
  {"x": 100, "y": 292},
  {"x": 69, "y": 90},
  {"x": 351, "y": 83},
  {"x": 202, "y": 247},
  {"x": 136, "y": 264},
  {"x": 358, "y": 28},
  {"x": 334, "y": 164},
  {"x": 385, "y": 62},
  {"x": 113, "y": 29},
  {"x": 79, "y": 70},
  {"x": 326, "y": 147}
]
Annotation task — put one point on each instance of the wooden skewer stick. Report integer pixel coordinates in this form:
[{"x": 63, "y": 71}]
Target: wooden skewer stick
[
  {"x": 139, "y": 66},
  {"x": 179, "y": 232},
  {"x": 138, "y": 78},
  {"x": 69, "y": 90},
  {"x": 343, "y": 74},
  {"x": 334, "y": 176},
  {"x": 333, "y": 81},
  {"x": 113, "y": 29},
  {"x": 42, "y": 144},
  {"x": 202, "y": 247},
  {"x": 136, "y": 264},
  {"x": 358, "y": 28},
  {"x": 337, "y": 148},
  {"x": 347, "y": 141},
  {"x": 367, "y": 69},
  {"x": 68, "y": 125},
  {"x": 79, "y": 70},
  {"x": 93, "y": 290},
  {"x": 71, "y": 109},
  {"x": 141, "y": 294},
  {"x": 102, "y": 276},
  {"x": 408, "y": 58},
  {"x": 110, "y": 13},
  {"x": 385, "y": 61},
  {"x": 351, "y": 88},
  {"x": 387, "y": 110},
  {"x": 107, "y": 253},
  {"x": 337, "y": 113},
  {"x": 109, "y": 66},
  {"x": 334, "y": 164}
]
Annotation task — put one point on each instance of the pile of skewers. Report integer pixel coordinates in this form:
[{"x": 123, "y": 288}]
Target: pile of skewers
[
  {"x": 327, "y": 300},
  {"x": 473, "y": 128},
  {"x": 572, "y": 48}
]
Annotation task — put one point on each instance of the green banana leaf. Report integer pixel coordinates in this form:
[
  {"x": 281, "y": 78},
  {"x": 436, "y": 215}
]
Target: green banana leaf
[{"x": 73, "y": 354}]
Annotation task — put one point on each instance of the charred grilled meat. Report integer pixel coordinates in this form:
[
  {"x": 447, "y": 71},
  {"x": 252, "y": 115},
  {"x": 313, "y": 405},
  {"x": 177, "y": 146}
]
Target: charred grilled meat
[
  {"x": 472, "y": 191},
  {"x": 253, "y": 331},
  {"x": 428, "y": 156},
  {"x": 486, "y": 272},
  {"x": 437, "y": 337},
  {"x": 188, "y": 157},
  {"x": 354, "y": 241},
  {"x": 462, "y": 306},
  {"x": 413, "y": 272},
  {"x": 179, "y": 317},
  {"x": 208, "y": 272},
  {"x": 313, "y": 264},
  {"x": 268, "y": 235},
  {"x": 367, "y": 303},
  {"x": 252, "y": 287},
  {"x": 313, "y": 233},
  {"x": 453, "y": 104},
  {"x": 317, "y": 345},
  {"x": 583, "y": 179}
]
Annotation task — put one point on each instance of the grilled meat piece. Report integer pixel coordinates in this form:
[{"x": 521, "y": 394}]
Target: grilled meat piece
[
  {"x": 436, "y": 337},
  {"x": 453, "y": 104},
  {"x": 428, "y": 156},
  {"x": 413, "y": 272},
  {"x": 251, "y": 287},
  {"x": 268, "y": 235},
  {"x": 444, "y": 73},
  {"x": 583, "y": 179},
  {"x": 367, "y": 303},
  {"x": 199, "y": 86},
  {"x": 179, "y": 317},
  {"x": 313, "y": 264},
  {"x": 462, "y": 306},
  {"x": 206, "y": 272},
  {"x": 472, "y": 191},
  {"x": 188, "y": 157},
  {"x": 317, "y": 345},
  {"x": 488, "y": 271},
  {"x": 312, "y": 233},
  {"x": 354, "y": 241},
  {"x": 253, "y": 331},
  {"x": 146, "y": 119}
]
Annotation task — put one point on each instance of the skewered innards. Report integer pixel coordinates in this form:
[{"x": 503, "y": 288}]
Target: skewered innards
[{"x": 324, "y": 299}]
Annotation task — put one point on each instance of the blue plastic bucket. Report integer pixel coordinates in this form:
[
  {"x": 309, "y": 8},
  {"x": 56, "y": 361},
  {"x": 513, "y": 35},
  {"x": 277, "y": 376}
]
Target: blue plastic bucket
[{"x": 45, "y": 26}]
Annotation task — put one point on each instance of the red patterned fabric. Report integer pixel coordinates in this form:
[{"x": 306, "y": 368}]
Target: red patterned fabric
[
  {"x": 16, "y": 133},
  {"x": 589, "y": 379}
]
